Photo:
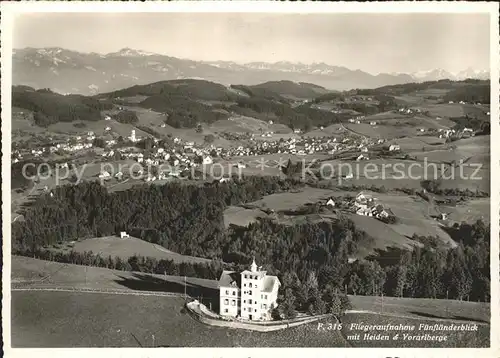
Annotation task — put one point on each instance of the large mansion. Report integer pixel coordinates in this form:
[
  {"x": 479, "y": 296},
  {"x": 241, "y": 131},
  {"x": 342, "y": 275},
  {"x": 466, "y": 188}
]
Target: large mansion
[{"x": 250, "y": 295}]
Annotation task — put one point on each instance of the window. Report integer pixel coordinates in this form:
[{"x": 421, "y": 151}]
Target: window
[
  {"x": 244, "y": 285},
  {"x": 233, "y": 303},
  {"x": 244, "y": 309},
  {"x": 225, "y": 310},
  {"x": 264, "y": 306},
  {"x": 246, "y": 276},
  {"x": 265, "y": 297},
  {"x": 227, "y": 292},
  {"x": 250, "y": 292},
  {"x": 226, "y": 302},
  {"x": 249, "y": 301},
  {"x": 244, "y": 301},
  {"x": 250, "y": 285},
  {"x": 255, "y": 310},
  {"x": 234, "y": 293}
]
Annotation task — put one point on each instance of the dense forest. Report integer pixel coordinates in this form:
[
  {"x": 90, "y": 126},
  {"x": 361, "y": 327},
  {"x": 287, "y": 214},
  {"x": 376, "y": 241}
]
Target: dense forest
[
  {"x": 281, "y": 89},
  {"x": 184, "y": 218},
  {"x": 196, "y": 89},
  {"x": 188, "y": 219},
  {"x": 473, "y": 93},
  {"x": 49, "y": 107},
  {"x": 129, "y": 117}
]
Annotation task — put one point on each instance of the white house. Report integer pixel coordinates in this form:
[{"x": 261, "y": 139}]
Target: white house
[
  {"x": 363, "y": 201},
  {"x": 104, "y": 175},
  {"x": 394, "y": 147},
  {"x": 330, "y": 202},
  {"x": 124, "y": 235},
  {"x": 251, "y": 294},
  {"x": 207, "y": 160}
]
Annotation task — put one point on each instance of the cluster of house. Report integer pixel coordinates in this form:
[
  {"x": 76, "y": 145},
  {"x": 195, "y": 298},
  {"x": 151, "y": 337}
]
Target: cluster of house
[
  {"x": 69, "y": 146},
  {"x": 405, "y": 110},
  {"x": 365, "y": 204},
  {"x": 356, "y": 119}
]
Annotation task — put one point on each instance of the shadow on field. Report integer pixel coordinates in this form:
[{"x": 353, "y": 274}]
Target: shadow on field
[
  {"x": 144, "y": 282},
  {"x": 457, "y": 318}
]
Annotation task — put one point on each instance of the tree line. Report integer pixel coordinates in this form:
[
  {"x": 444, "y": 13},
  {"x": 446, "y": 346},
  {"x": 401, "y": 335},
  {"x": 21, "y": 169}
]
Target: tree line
[
  {"x": 49, "y": 107},
  {"x": 189, "y": 219}
]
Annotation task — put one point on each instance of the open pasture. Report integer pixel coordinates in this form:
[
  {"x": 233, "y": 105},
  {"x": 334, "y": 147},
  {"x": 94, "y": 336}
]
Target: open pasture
[
  {"x": 381, "y": 131},
  {"x": 471, "y": 211},
  {"x": 125, "y": 248},
  {"x": 384, "y": 235},
  {"x": 418, "y": 307},
  {"x": 333, "y": 130},
  {"x": 235, "y": 215},
  {"x": 447, "y": 110},
  {"x": 435, "y": 92},
  {"x": 415, "y": 216},
  {"x": 379, "y": 170},
  {"x": 42, "y": 318},
  {"x": 29, "y": 272},
  {"x": 292, "y": 200},
  {"x": 417, "y": 143}
]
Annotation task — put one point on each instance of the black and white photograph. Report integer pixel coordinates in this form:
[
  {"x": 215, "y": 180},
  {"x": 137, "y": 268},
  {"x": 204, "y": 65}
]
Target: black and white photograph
[{"x": 309, "y": 176}]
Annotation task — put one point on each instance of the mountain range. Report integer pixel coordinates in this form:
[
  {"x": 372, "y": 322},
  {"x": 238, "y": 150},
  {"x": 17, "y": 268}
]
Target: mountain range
[{"x": 66, "y": 71}]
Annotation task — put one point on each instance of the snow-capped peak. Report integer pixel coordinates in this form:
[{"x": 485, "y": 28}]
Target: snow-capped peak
[{"x": 128, "y": 52}]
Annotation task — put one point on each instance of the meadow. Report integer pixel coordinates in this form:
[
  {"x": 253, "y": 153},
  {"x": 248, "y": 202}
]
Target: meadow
[
  {"x": 51, "y": 319},
  {"x": 125, "y": 248}
]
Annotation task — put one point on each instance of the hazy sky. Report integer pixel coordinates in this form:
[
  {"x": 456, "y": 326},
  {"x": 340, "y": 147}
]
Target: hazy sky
[{"x": 370, "y": 42}]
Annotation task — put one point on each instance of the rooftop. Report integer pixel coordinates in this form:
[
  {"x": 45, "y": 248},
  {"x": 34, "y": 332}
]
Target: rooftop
[{"x": 229, "y": 279}]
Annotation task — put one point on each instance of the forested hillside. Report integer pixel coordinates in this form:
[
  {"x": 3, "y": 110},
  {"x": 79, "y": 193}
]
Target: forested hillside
[
  {"x": 49, "y": 107},
  {"x": 188, "y": 219}
]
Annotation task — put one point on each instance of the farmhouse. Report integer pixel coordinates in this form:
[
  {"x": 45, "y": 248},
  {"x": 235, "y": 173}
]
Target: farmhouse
[
  {"x": 207, "y": 160},
  {"x": 330, "y": 203},
  {"x": 251, "y": 294},
  {"x": 124, "y": 235},
  {"x": 363, "y": 200},
  {"x": 104, "y": 175},
  {"x": 394, "y": 147}
]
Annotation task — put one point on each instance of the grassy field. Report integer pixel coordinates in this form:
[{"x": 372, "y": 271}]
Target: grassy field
[
  {"x": 471, "y": 211},
  {"x": 415, "y": 216},
  {"x": 424, "y": 307},
  {"x": 444, "y": 110},
  {"x": 385, "y": 236},
  {"x": 40, "y": 273},
  {"x": 125, "y": 248},
  {"x": 290, "y": 201},
  {"x": 417, "y": 143},
  {"x": 76, "y": 319},
  {"x": 99, "y": 320},
  {"x": 381, "y": 131},
  {"x": 240, "y": 216}
]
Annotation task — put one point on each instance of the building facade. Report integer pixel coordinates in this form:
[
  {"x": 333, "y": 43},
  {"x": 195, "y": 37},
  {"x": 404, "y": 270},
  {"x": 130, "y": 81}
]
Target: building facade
[{"x": 250, "y": 295}]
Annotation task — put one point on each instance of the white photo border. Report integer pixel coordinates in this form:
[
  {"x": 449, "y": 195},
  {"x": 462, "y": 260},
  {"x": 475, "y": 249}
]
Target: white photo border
[{"x": 10, "y": 9}]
